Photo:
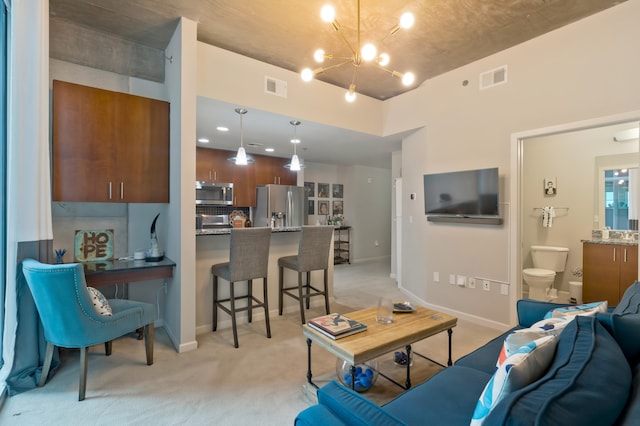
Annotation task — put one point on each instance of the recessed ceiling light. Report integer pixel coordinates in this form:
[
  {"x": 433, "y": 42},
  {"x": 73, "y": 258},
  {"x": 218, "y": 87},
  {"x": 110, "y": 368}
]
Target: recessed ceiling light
[
  {"x": 222, "y": 129},
  {"x": 203, "y": 140},
  {"x": 269, "y": 149}
]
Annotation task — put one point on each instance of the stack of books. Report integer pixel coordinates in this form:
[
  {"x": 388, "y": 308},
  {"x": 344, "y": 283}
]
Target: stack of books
[{"x": 336, "y": 326}]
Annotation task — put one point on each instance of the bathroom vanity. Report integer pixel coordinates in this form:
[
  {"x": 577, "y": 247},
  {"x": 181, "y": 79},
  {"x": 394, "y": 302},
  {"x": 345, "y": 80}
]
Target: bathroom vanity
[{"x": 609, "y": 268}]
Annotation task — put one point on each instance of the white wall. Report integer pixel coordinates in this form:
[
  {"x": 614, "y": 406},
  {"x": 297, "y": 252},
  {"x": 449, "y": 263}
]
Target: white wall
[
  {"x": 564, "y": 76},
  {"x": 367, "y": 206}
]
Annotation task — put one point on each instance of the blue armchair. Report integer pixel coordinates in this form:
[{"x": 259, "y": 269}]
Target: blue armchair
[{"x": 70, "y": 320}]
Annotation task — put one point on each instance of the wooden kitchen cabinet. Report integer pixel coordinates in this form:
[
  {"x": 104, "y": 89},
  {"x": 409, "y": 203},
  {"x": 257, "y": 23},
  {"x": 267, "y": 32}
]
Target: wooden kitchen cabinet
[
  {"x": 109, "y": 146},
  {"x": 608, "y": 270},
  {"x": 214, "y": 165}
]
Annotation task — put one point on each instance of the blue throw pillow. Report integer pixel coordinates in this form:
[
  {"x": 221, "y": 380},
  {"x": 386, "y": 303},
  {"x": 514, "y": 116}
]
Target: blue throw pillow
[{"x": 630, "y": 303}]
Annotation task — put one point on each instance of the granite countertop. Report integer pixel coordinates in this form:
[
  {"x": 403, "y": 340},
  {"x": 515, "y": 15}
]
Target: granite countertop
[
  {"x": 227, "y": 231},
  {"x": 613, "y": 241}
]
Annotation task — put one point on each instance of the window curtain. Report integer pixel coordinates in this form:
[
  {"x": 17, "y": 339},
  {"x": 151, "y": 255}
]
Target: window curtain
[
  {"x": 4, "y": 47},
  {"x": 29, "y": 225}
]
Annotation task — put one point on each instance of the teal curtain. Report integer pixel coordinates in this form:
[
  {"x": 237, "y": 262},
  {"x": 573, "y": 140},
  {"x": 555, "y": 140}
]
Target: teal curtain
[{"x": 4, "y": 46}]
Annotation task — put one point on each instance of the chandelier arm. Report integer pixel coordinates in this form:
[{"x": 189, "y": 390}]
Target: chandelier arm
[
  {"x": 392, "y": 72},
  {"x": 344, "y": 39},
  {"x": 334, "y": 66}
]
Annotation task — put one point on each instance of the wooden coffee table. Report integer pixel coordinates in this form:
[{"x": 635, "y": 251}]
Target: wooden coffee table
[{"x": 379, "y": 339}]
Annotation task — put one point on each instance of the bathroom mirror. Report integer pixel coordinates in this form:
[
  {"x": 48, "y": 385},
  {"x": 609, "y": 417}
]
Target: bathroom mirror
[{"x": 617, "y": 177}]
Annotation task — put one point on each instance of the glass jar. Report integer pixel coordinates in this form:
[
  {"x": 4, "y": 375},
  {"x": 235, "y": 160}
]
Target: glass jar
[{"x": 365, "y": 375}]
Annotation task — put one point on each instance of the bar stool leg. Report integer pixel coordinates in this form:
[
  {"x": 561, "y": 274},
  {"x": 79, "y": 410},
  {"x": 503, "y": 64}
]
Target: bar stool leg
[
  {"x": 215, "y": 302},
  {"x": 250, "y": 299},
  {"x": 280, "y": 291},
  {"x": 233, "y": 314},
  {"x": 300, "y": 298},
  {"x": 326, "y": 290},
  {"x": 266, "y": 306},
  {"x": 308, "y": 288}
]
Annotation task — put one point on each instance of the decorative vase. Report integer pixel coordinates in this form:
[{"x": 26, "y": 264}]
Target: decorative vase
[{"x": 365, "y": 374}]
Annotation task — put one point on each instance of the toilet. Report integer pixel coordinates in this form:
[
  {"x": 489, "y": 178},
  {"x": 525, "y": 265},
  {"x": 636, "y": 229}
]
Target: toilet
[{"x": 547, "y": 260}]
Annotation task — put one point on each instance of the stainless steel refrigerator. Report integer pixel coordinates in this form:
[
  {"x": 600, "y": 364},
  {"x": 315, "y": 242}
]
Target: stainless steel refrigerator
[{"x": 281, "y": 206}]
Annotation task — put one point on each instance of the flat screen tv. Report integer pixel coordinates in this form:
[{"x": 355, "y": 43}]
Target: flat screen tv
[{"x": 462, "y": 194}]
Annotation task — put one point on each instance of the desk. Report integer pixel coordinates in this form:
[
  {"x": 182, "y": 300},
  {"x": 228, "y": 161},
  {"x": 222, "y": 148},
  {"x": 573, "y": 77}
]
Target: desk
[{"x": 125, "y": 271}]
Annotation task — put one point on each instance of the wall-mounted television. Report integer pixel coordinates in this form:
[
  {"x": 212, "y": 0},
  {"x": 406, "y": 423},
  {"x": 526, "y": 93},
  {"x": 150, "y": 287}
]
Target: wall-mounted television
[{"x": 462, "y": 196}]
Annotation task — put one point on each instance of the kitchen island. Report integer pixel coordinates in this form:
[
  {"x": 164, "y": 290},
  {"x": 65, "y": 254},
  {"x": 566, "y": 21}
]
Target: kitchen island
[{"x": 212, "y": 246}]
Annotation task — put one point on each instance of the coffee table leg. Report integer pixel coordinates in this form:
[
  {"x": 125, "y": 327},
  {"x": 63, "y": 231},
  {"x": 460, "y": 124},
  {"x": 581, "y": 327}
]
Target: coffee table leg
[
  {"x": 309, "y": 363},
  {"x": 449, "y": 332},
  {"x": 407, "y": 384}
]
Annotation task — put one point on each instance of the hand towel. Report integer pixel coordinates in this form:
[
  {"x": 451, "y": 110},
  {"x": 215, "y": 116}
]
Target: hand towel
[{"x": 548, "y": 213}]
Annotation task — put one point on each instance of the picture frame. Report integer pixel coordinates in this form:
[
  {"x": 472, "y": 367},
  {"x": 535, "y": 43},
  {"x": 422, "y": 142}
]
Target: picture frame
[
  {"x": 337, "y": 208},
  {"x": 311, "y": 207},
  {"x": 323, "y": 208},
  {"x": 323, "y": 190},
  {"x": 337, "y": 190},
  {"x": 311, "y": 189}
]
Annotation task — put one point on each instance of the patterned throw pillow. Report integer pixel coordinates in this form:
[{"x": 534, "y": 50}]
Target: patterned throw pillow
[
  {"x": 590, "y": 309},
  {"x": 100, "y": 303},
  {"x": 522, "y": 368},
  {"x": 543, "y": 328}
]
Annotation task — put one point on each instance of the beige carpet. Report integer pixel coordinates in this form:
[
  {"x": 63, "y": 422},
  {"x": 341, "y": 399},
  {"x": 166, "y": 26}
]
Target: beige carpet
[{"x": 260, "y": 383}]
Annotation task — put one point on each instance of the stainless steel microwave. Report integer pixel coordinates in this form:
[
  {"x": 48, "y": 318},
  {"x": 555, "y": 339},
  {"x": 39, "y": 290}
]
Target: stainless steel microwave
[{"x": 214, "y": 193}]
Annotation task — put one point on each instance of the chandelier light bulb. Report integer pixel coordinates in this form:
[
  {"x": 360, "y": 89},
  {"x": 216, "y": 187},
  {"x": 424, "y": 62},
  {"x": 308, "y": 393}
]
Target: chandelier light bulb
[
  {"x": 350, "y": 96},
  {"x": 383, "y": 59},
  {"x": 306, "y": 74},
  {"x": 406, "y": 20},
  {"x": 408, "y": 78},
  {"x": 368, "y": 52},
  {"x": 319, "y": 56},
  {"x": 328, "y": 13}
]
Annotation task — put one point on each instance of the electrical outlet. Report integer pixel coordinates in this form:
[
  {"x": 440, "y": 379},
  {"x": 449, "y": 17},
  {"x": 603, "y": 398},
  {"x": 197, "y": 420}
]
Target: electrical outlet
[
  {"x": 472, "y": 282},
  {"x": 452, "y": 279},
  {"x": 436, "y": 277},
  {"x": 504, "y": 289},
  {"x": 486, "y": 286},
  {"x": 462, "y": 281}
]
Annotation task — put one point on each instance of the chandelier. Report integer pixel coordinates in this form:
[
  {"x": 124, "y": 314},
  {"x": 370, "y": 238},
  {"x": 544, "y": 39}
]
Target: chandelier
[{"x": 359, "y": 55}]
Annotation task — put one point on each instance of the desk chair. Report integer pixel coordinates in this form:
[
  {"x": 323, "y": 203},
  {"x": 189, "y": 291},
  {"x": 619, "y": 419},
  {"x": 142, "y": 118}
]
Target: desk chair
[
  {"x": 248, "y": 259},
  {"x": 70, "y": 320},
  {"x": 313, "y": 255}
]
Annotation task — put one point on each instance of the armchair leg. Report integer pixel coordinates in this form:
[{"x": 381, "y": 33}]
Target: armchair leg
[
  {"x": 149, "y": 332},
  {"x": 83, "y": 373},
  {"x": 107, "y": 347},
  {"x": 48, "y": 357}
]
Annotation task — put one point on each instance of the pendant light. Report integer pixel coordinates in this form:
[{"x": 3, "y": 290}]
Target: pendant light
[
  {"x": 241, "y": 156},
  {"x": 295, "y": 161}
]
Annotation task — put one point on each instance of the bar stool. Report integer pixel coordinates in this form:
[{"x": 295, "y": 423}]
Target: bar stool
[
  {"x": 313, "y": 255},
  {"x": 248, "y": 259}
]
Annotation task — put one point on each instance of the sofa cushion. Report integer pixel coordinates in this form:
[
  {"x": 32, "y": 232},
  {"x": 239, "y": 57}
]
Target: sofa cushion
[
  {"x": 522, "y": 367},
  {"x": 630, "y": 302},
  {"x": 631, "y": 412},
  {"x": 349, "y": 407},
  {"x": 625, "y": 329},
  {"x": 447, "y": 398},
  {"x": 484, "y": 358},
  {"x": 587, "y": 383}
]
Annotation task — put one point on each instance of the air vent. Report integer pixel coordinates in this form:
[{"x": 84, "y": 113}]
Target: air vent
[
  {"x": 273, "y": 86},
  {"x": 493, "y": 78}
]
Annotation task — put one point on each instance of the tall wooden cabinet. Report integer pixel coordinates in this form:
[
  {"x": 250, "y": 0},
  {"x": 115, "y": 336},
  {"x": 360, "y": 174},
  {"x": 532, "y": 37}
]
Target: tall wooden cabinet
[
  {"x": 608, "y": 270},
  {"x": 109, "y": 146}
]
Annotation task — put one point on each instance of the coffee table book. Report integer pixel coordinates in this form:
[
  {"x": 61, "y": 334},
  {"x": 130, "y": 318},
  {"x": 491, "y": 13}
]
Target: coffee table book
[{"x": 336, "y": 326}]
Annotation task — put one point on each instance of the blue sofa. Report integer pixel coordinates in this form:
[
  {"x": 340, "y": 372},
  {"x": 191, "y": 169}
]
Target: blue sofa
[{"x": 593, "y": 379}]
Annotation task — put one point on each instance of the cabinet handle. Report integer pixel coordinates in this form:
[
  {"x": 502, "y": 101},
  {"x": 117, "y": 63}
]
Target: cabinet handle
[
  {"x": 625, "y": 255},
  {"x": 209, "y": 174},
  {"x": 215, "y": 175},
  {"x": 614, "y": 254},
  {"x": 121, "y": 190},
  {"x": 110, "y": 190}
]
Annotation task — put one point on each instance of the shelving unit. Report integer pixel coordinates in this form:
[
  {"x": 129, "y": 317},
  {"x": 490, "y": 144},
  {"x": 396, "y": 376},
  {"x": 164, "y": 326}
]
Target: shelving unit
[{"x": 341, "y": 241}]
